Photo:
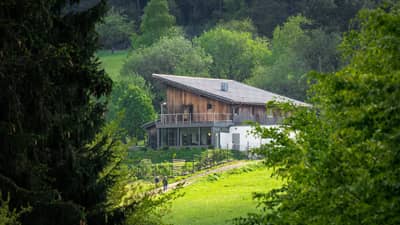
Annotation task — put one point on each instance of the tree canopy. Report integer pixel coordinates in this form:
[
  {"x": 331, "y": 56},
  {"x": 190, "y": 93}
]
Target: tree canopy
[
  {"x": 235, "y": 54},
  {"x": 296, "y": 51},
  {"x": 136, "y": 107},
  {"x": 156, "y": 23},
  {"x": 115, "y": 30},
  {"x": 340, "y": 157}
]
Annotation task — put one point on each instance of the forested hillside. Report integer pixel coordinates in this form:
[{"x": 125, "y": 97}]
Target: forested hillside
[
  {"x": 268, "y": 44},
  {"x": 197, "y": 15}
]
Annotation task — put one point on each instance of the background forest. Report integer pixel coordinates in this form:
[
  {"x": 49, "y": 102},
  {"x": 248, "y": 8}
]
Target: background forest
[{"x": 268, "y": 44}]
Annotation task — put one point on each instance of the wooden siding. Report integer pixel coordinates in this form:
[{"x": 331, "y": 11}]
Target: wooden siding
[
  {"x": 177, "y": 99},
  {"x": 253, "y": 110},
  {"x": 178, "y": 102}
]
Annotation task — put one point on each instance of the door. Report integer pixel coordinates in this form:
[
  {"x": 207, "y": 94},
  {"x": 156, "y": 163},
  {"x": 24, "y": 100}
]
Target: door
[{"x": 236, "y": 141}]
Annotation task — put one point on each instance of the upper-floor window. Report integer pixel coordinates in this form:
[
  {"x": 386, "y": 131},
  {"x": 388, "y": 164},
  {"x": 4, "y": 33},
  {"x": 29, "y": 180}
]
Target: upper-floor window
[{"x": 209, "y": 106}]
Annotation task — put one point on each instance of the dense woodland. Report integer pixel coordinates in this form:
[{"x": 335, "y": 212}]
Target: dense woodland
[
  {"x": 271, "y": 45},
  {"x": 65, "y": 125}
]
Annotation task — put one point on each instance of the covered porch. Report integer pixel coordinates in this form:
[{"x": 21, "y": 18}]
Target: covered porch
[{"x": 185, "y": 137}]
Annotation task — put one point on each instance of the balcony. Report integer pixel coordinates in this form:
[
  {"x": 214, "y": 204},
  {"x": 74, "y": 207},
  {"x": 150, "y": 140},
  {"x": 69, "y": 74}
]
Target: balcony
[
  {"x": 193, "y": 118},
  {"x": 261, "y": 119},
  {"x": 210, "y": 119}
]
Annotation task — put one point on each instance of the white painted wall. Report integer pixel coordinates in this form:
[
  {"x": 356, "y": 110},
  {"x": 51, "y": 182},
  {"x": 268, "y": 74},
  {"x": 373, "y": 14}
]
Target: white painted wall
[{"x": 247, "y": 140}]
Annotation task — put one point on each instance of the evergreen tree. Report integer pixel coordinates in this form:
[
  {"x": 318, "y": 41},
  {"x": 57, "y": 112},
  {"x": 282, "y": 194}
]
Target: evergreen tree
[{"x": 51, "y": 109}]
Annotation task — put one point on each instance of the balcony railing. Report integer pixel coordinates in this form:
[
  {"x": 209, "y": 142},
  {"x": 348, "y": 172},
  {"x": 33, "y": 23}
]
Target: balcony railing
[
  {"x": 189, "y": 118},
  {"x": 261, "y": 119}
]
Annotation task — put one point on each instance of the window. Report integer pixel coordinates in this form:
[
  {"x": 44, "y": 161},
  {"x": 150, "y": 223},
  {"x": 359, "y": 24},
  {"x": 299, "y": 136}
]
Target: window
[{"x": 209, "y": 106}]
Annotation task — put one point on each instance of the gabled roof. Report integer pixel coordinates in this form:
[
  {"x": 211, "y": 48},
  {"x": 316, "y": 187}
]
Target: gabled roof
[{"x": 237, "y": 93}]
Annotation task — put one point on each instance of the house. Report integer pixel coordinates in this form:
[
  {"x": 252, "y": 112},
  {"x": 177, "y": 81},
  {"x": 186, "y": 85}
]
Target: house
[{"x": 211, "y": 112}]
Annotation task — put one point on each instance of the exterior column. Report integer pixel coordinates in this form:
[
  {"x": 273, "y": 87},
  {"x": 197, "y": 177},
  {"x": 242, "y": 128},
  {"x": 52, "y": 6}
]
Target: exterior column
[
  {"x": 158, "y": 138},
  {"x": 199, "y": 136},
  {"x": 177, "y": 137}
]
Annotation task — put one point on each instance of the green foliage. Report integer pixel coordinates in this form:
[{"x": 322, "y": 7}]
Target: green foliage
[
  {"x": 340, "y": 158},
  {"x": 169, "y": 56},
  {"x": 129, "y": 201},
  {"x": 156, "y": 23},
  {"x": 285, "y": 73},
  {"x": 245, "y": 25},
  {"x": 211, "y": 157},
  {"x": 144, "y": 169},
  {"x": 159, "y": 156},
  {"x": 296, "y": 51},
  {"x": 188, "y": 154},
  {"x": 235, "y": 54},
  {"x": 136, "y": 107},
  {"x": 195, "y": 16},
  {"x": 235, "y": 10},
  {"x": 115, "y": 30},
  {"x": 51, "y": 109},
  {"x": 8, "y": 216},
  {"x": 150, "y": 207}
]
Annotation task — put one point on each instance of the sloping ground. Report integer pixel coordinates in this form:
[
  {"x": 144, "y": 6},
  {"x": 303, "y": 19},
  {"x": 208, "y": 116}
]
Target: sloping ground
[
  {"x": 216, "y": 199},
  {"x": 112, "y": 63},
  {"x": 219, "y": 169}
]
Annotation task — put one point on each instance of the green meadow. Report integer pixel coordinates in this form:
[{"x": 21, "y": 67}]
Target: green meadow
[
  {"x": 217, "y": 199},
  {"x": 112, "y": 63}
]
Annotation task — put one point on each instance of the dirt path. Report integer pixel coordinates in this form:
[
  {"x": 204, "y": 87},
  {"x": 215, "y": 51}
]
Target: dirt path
[{"x": 191, "y": 179}]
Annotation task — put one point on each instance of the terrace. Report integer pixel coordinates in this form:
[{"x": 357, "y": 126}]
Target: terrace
[{"x": 202, "y": 119}]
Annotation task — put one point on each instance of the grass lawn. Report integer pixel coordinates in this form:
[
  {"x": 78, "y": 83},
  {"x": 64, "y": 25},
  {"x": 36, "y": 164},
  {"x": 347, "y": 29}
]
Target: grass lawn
[
  {"x": 112, "y": 63},
  {"x": 208, "y": 202}
]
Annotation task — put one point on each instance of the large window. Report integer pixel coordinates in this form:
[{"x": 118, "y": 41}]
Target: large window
[
  {"x": 190, "y": 136},
  {"x": 168, "y": 137}
]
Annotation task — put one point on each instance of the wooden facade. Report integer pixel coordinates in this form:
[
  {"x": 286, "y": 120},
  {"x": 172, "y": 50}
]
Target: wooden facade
[
  {"x": 201, "y": 111},
  {"x": 181, "y": 101}
]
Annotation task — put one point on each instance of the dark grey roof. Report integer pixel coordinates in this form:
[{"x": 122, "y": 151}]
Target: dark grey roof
[{"x": 238, "y": 93}]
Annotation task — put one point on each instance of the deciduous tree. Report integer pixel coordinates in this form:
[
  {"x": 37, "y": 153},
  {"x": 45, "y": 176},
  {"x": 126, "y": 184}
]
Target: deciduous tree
[
  {"x": 156, "y": 23},
  {"x": 235, "y": 54},
  {"x": 340, "y": 157},
  {"x": 174, "y": 55},
  {"x": 115, "y": 30}
]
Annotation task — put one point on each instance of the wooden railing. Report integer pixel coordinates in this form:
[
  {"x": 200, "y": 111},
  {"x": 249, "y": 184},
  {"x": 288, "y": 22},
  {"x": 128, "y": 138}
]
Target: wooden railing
[{"x": 188, "y": 118}]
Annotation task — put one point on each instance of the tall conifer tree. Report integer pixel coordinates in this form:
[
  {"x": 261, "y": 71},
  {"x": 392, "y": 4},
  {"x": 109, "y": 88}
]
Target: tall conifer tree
[{"x": 51, "y": 109}]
